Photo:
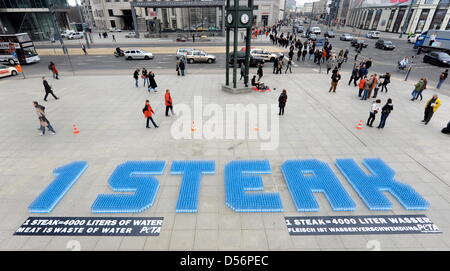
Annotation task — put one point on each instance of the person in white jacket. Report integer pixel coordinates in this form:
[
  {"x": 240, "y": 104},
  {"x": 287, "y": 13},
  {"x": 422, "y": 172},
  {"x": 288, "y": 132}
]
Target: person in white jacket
[{"x": 375, "y": 108}]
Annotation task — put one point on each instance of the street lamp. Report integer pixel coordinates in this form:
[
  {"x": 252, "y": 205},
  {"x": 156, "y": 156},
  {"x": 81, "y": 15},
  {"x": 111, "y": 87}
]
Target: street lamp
[{"x": 82, "y": 25}]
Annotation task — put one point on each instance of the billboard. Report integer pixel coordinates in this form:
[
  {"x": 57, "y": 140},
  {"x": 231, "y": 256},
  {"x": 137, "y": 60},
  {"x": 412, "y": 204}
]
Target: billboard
[{"x": 380, "y": 3}]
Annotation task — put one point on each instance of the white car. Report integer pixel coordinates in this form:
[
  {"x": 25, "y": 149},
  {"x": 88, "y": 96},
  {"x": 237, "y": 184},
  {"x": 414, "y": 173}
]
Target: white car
[
  {"x": 137, "y": 54},
  {"x": 346, "y": 37},
  {"x": 130, "y": 35},
  {"x": 66, "y": 33},
  {"x": 75, "y": 35},
  {"x": 413, "y": 39},
  {"x": 315, "y": 30},
  {"x": 373, "y": 35},
  {"x": 266, "y": 55},
  {"x": 7, "y": 71}
]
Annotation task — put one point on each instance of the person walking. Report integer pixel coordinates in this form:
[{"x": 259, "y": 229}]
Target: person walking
[
  {"x": 362, "y": 85},
  {"x": 377, "y": 87},
  {"x": 299, "y": 53},
  {"x": 424, "y": 86},
  {"x": 275, "y": 65},
  {"x": 136, "y": 77},
  {"x": 431, "y": 107},
  {"x": 84, "y": 49},
  {"x": 242, "y": 71},
  {"x": 334, "y": 81},
  {"x": 260, "y": 71},
  {"x": 442, "y": 78},
  {"x": 354, "y": 76},
  {"x": 340, "y": 60},
  {"x": 52, "y": 67},
  {"x": 148, "y": 113},
  {"x": 144, "y": 76},
  {"x": 153, "y": 85},
  {"x": 385, "y": 111},
  {"x": 375, "y": 108},
  {"x": 386, "y": 81},
  {"x": 346, "y": 55},
  {"x": 193, "y": 38},
  {"x": 280, "y": 66},
  {"x": 291, "y": 54},
  {"x": 114, "y": 38},
  {"x": 304, "y": 52},
  {"x": 288, "y": 66},
  {"x": 168, "y": 102},
  {"x": 417, "y": 87},
  {"x": 330, "y": 64},
  {"x": 48, "y": 89},
  {"x": 282, "y": 102},
  {"x": 177, "y": 67},
  {"x": 43, "y": 121},
  {"x": 182, "y": 66}
]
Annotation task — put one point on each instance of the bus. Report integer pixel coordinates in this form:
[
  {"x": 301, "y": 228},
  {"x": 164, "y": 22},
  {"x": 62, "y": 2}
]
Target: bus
[
  {"x": 442, "y": 42},
  {"x": 17, "y": 47}
]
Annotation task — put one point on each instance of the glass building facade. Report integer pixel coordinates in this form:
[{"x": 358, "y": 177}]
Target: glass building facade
[{"x": 32, "y": 17}]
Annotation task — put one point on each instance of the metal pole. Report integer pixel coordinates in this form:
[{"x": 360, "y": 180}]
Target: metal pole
[
  {"x": 227, "y": 48},
  {"x": 406, "y": 19},
  {"x": 133, "y": 14},
  {"x": 235, "y": 41},
  {"x": 247, "y": 46},
  {"x": 82, "y": 25}
]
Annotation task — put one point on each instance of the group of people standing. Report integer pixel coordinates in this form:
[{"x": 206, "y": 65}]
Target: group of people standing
[{"x": 148, "y": 78}]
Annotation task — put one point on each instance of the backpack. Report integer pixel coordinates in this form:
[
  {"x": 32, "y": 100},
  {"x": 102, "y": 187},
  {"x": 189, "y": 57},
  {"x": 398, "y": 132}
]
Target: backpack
[
  {"x": 144, "y": 109},
  {"x": 50, "y": 67}
]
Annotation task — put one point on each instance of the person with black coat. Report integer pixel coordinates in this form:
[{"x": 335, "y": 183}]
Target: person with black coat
[
  {"x": 153, "y": 85},
  {"x": 260, "y": 71},
  {"x": 48, "y": 89},
  {"x": 182, "y": 66},
  {"x": 136, "y": 77},
  {"x": 385, "y": 111},
  {"x": 446, "y": 130},
  {"x": 282, "y": 102},
  {"x": 354, "y": 76},
  {"x": 275, "y": 65},
  {"x": 386, "y": 81}
]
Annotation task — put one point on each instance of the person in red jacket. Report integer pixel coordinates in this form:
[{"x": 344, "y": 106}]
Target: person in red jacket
[
  {"x": 168, "y": 101},
  {"x": 52, "y": 67},
  {"x": 148, "y": 113}
]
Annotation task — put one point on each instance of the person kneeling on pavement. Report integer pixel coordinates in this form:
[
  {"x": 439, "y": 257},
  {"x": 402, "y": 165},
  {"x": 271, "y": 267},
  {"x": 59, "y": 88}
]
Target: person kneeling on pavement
[{"x": 258, "y": 85}]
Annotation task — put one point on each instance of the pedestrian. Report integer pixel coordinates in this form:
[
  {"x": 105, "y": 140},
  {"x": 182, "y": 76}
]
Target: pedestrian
[
  {"x": 168, "y": 102},
  {"x": 260, "y": 72},
  {"x": 442, "y": 78},
  {"x": 424, "y": 86},
  {"x": 340, "y": 60},
  {"x": 193, "y": 38},
  {"x": 282, "y": 102},
  {"x": 346, "y": 55},
  {"x": 291, "y": 54},
  {"x": 311, "y": 52},
  {"x": 43, "y": 121},
  {"x": 275, "y": 65},
  {"x": 100, "y": 35},
  {"x": 48, "y": 89},
  {"x": 148, "y": 113},
  {"x": 374, "y": 109},
  {"x": 280, "y": 66},
  {"x": 84, "y": 49},
  {"x": 386, "y": 81},
  {"x": 373, "y": 85},
  {"x": 369, "y": 63},
  {"x": 52, "y": 67},
  {"x": 367, "y": 86},
  {"x": 299, "y": 54},
  {"x": 114, "y": 37},
  {"x": 417, "y": 87},
  {"x": 330, "y": 64},
  {"x": 385, "y": 111},
  {"x": 377, "y": 87},
  {"x": 144, "y": 76},
  {"x": 177, "y": 67},
  {"x": 430, "y": 108},
  {"x": 242, "y": 71},
  {"x": 136, "y": 77},
  {"x": 289, "y": 66},
  {"x": 334, "y": 81},
  {"x": 354, "y": 76},
  {"x": 182, "y": 66},
  {"x": 446, "y": 130},
  {"x": 153, "y": 85}
]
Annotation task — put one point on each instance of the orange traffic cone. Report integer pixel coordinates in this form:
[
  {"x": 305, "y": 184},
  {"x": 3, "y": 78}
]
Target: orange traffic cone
[
  {"x": 75, "y": 129},
  {"x": 193, "y": 127},
  {"x": 360, "y": 125}
]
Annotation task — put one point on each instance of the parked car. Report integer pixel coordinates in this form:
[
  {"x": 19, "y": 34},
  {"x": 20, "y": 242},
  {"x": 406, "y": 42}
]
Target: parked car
[
  {"x": 299, "y": 28},
  {"x": 413, "y": 38},
  {"x": 437, "y": 58},
  {"x": 373, "y": 35},
  {"x": 346, "y": 37},
  {"x": 130, "y": 35},
  {"x": 266, "y": 55},
  {"x": 66, "y": 33},
  {"x": 7, "y": 71},
  {"x": 183, "y": 52},
  {"x": 75, "y": 35},
  {"x": 254, "y": 60},
  {"x": 137, "y": 54},
  {"x": 357, "y": 42},
  {"x": 312, "y": 36},
  {"x": 199, "y": 56},
  {"x": 329, "y": 34},
  {"x": 384, "y": 44}
]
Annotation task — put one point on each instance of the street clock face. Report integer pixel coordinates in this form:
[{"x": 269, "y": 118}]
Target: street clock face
[
  {"x": 244, "y": 18},
  {"x": 230, "y": 18}
]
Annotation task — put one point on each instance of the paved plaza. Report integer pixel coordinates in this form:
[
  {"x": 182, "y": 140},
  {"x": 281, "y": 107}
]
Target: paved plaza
[{"x": 107, "y": 111}]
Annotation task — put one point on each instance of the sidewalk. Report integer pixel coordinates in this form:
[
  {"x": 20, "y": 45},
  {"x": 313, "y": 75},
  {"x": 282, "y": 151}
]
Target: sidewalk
[{"x": 316, "y": 125}]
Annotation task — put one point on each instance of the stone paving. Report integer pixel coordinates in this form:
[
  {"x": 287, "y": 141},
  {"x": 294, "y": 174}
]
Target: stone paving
[{"x": 317, "y": 124}]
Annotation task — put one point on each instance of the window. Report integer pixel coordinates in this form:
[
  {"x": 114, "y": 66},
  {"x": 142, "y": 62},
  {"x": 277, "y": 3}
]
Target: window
[
  {"x": 113, "y": 23},
  {"x": 438, "y": 18},
  {"x": 422, "y": 19},
  {"x": 110, "y": 12}
]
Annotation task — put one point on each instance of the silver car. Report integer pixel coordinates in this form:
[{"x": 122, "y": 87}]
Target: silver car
[
  {"x": 199, "y": 56},
  {"x": 183, "y": 52}
]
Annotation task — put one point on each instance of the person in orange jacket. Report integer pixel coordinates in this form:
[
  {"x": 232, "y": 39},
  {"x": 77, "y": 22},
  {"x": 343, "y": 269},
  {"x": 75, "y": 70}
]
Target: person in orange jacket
[
  {"x": 168, "y": 101},
  {"x": 148, "y": 113},
  {"x": 361, "y": 85}
]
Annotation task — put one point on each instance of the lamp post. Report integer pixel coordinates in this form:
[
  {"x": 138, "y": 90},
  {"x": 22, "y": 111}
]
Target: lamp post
[{"x": 82, "y": 25}]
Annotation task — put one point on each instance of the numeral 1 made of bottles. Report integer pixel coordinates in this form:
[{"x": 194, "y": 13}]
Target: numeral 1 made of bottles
[{"x": 66, "y": 176}]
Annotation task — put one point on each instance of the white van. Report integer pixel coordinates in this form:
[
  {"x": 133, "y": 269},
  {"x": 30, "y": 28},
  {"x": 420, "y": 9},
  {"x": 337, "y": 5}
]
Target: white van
[
  {"x": 315, "y": 30},
  {"x": 373, "y": 35}
]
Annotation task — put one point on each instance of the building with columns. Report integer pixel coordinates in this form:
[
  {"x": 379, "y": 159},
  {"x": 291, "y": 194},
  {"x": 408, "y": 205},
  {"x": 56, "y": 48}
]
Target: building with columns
[{"x": 393, "y": 15}]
